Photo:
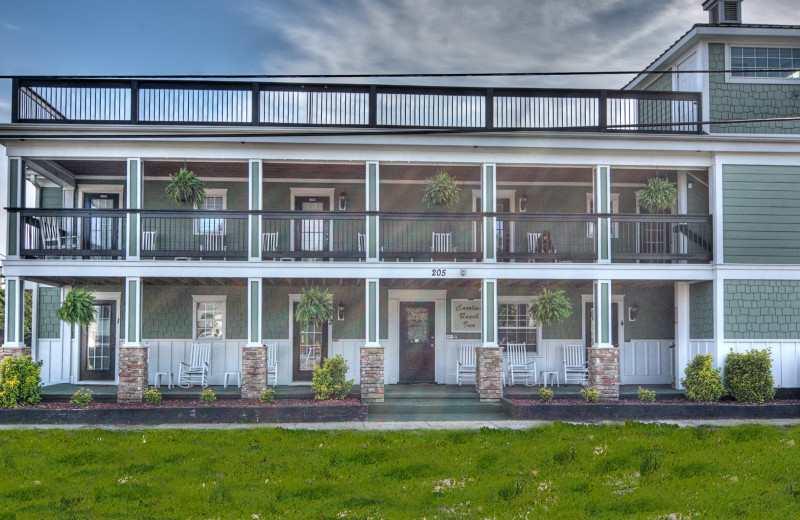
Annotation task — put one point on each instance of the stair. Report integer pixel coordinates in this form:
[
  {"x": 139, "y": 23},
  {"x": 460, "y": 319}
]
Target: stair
[{"x": 405, "y": 403}]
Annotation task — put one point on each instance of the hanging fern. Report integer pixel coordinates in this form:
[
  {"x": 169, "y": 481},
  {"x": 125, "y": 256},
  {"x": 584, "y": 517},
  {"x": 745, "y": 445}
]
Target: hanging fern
[
  {"x": 441, "y": 190},
  {"x": 186, "y": 189},
  {"x": 550, "y": 307},
  {"x": 658, "y": 195},
  {"x": 78, "y": 307},
  {"x": 314, "y": 307}
]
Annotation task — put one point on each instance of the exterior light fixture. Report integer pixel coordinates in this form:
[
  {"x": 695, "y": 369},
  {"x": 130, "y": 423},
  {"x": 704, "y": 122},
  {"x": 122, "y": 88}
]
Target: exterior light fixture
[
  {"x": 523, "y": 202},
  {"x": 342, "y": 201},
  {"x": 340, "y": 315},
  {"x": 633, "y": 310}
]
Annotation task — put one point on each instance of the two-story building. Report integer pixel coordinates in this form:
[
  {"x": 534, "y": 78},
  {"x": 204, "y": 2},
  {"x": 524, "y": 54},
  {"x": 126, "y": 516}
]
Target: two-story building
[{"x": 321, "y": 185}]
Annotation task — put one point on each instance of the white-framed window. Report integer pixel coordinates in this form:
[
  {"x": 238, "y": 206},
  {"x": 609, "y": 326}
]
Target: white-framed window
[
  {"x": 216, "y": 200},
  {"x": 614, "y": 209},
  {"x": 745, "y": 60},
  {"x": 208, "y": 320},
  {"x": 515, "y": 326}
]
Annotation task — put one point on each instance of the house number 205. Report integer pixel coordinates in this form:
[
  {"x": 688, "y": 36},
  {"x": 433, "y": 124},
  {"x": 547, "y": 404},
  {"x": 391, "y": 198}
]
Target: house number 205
[{"x": 438, "y": 272}]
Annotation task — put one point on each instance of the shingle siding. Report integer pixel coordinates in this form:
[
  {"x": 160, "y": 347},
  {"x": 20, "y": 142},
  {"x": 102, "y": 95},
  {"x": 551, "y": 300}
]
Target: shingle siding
[
  {"x": 762, "y": 309},
  {"x": 49, "y": 326}
]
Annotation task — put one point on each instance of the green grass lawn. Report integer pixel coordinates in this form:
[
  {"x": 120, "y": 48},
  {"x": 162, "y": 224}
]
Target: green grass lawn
[{"x": 562, "y": 471}]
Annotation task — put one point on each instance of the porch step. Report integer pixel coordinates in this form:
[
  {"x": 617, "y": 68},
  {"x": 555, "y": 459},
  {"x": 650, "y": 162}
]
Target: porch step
[
  {"x": 433, "y": 409},
  {"x": 394, "y": 392},
  {"x": 431, "y": 417}
]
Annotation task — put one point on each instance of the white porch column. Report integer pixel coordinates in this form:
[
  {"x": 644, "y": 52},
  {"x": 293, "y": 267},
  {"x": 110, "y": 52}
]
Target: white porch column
[
  {"x": 16, "y": 199},
  {"x": 603, "y": 358},
  {"x": 372, "y": 322},
  {"x": 601, "y": 181},
  {"x": 134, "y": 188},
  {"x": 372, "y": 359},
  {"x": 373, "y": 203},
  {"x": 489, "y": 313},
  {"x": 602, "y": 314},
  {"x": 682, "y": 243},
  {"x": 132, "y": 369},
  {"x": 254, "y": 314},
  {"x": 254, "y": 354},
  {"x": 489, "y": 205},
  {"x": 682, "y": 333},
  {"x": 256, "y": 203},
  {"x": 133, "y": 312},
  {"x": 15, "y": 315}
]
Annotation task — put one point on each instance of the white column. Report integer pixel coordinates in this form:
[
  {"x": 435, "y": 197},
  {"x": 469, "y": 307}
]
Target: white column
[
  {"x": 719, "y": 320},
  {"x": 489, "y": 205},
  {"x": 256, "y": 203},
  {"x": 134, "y": 188},
  {"x": 682, "y": 334},
  {"x": 682, "y": 242},
  {"x": 254, "y": 314},
  {"x": 133, "y": 312},
  {"x": 489, "y": 313},
  {"x": 373, "y": 203},
  {"x": 15, "y": 313},
  {"x": 602, "y": 314},
  {"x": 372, "y": 321},
  {"x": 601, "y": 181},
  {"x": 16, "y": 199}
]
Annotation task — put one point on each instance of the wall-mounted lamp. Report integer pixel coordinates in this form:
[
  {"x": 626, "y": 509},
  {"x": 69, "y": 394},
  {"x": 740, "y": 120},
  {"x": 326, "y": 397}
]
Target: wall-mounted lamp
[
  {"x": 340, "y": 315},
  {"x": 342, "y": 201},
  {"x": 523, "y": 202},
  {"x": 633, "y": 310}
]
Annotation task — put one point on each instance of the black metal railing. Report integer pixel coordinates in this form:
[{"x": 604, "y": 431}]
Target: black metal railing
[
  {"x": 661, "y": 238},
  {"x": 430, "y": 236},
  {"x": 189, "y": 234},
  {"x": 291, "y": 235},
  {"x": 533, "y": 237},
  {"x": 38, "y": 100},
  {"x": 69, "y": 233}
]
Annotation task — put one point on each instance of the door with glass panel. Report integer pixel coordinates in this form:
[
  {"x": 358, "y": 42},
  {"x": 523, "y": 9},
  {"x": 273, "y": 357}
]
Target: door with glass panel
[
  {"x": 101, "y": 233},
  {"x": 98, "y": 344},
  {"x": 417, "y": 342},
  {"x": 310, "y": 347},
  {"x": 311, "y": 234}
]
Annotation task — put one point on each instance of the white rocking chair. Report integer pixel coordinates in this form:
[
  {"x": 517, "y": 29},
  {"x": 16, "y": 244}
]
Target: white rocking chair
[
  {"x": 518, "y": 365},
  {"x": 575, "y": 368},
  {"x": 272, "y": 362},
  {"x": 269, "y": 242},
  {"x": 466, "y": 362},
  {"x": 195, "y": 372}
]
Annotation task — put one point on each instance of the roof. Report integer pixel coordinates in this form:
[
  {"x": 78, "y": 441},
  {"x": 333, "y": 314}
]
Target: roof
[{"x": 706, "y": 25}]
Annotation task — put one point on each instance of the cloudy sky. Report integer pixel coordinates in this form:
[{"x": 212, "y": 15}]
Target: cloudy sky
[{"x": 349, "y": 36}]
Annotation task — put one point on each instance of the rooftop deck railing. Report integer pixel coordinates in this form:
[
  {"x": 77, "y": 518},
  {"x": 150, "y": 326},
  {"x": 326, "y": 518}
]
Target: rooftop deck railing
[
  {"x": 229, "y": 103},
  {"x": 334, "y": 235}
]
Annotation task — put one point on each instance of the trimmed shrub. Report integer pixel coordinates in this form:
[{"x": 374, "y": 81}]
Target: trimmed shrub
[
  {"x": 267, "y": 396},
  {"x": 748, "y": 377},
  {"x": 328, "y": 381},
  {"x": 81, "y": 398},
  {"x": 20, "y": 381},
  {"x": 702, "y": 382},
  {"x": 152, "y": 396},
  {"x": 208, "y": 396},
  {"x": 646, "y": 396},
  {"x": 590, "y": 394},
  {"x": 546, "y": 395}
]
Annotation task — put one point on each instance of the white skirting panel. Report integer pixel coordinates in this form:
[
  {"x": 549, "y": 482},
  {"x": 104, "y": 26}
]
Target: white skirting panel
[
  {"x": 57, "y": 361},
  {"x": 165, "y": 354},
  {"x": 350, "y": 349},
  {"x": 785, "y": 358},
  {"x": 646, "y": 362}
]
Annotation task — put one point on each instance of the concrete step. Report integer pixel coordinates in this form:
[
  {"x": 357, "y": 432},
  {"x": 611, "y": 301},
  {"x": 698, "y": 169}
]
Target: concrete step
[
  {"x": 428, "y": 417},
  {"x": 430, "y": 392},
  {"x": 433, "y": 406}
]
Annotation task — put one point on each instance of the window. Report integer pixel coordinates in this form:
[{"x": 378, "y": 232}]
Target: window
[
  {"x": 216, "y": 200},
  {"x": 745, "y": 59},
  {"x": 209, "y": 317},
  {"x": 514, "y": 326}
]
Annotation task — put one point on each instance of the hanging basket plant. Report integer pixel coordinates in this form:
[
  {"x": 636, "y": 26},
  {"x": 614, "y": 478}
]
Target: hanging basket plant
[
  {"x": 550, "y": 307},
  {"x": 441, "y": 190},
  {"x": 186, "y": 189},
  {"x": 78, "y": 307},
  {"x": 658, "y": 195},
  {"x": 315, "y": 307}
]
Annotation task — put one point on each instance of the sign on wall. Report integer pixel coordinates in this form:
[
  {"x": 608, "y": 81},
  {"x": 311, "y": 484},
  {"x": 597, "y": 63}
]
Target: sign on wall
[{"x": 465, "y": 315}]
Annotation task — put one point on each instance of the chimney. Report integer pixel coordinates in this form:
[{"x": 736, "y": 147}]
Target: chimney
[{"x": 723, "y": 11}]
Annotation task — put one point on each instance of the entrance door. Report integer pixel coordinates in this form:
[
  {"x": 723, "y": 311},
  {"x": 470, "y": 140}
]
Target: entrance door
[
  {"x": 311, "y": 234},
  {"x": 98, "y": 344},
  {"x": 309, "y": 349},
  {"x": 417, "y": 342},
  {"x": 589, "y": 324},
  {"x": 101, "y": 233}
]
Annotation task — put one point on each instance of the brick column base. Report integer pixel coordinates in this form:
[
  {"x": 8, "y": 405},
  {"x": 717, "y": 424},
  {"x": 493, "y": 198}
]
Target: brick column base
[
  {"x": 132, "y": 373},
  {"x": 14, "y": 352},
  {"x": 489, "y": 373},
  {"x": 372, "y": 389},
  {"x": 604, "y": 371},
  {"x": 254, "y": 371}
]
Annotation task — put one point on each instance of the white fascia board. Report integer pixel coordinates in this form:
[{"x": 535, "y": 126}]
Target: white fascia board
[
  {"x": 358, "y": 270},
  {"x": 758, "y": 272}
]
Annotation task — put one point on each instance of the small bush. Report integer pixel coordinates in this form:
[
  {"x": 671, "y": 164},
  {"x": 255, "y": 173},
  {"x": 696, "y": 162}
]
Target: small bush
[
  {"x": 748, "y": 377},
  {"x": 208, "y": 396},
  {"x": 590, "y": 394},
  {"x": 267, "y": 396},
  {"x": 646, "y": 396},
  {"x": 20, "y": 381},
  {"x": 81, "y": 398},
  {"x": 702, "y": 382},
  {"x": 651, "y": 462},
  {"x": 546, "y": 395},
  {"x": 328, "y": 381},
  {"x": 152, "y": 396}
]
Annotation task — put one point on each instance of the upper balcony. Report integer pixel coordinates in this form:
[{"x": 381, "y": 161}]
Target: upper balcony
[{"x": 227, "y": 103}]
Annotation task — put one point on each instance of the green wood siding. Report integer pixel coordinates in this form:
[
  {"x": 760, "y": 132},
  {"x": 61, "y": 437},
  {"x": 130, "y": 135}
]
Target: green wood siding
[
  {"x": 51, "y": 198},
  {"x": 49, "y": 326},
  {"x": 761, "y": 206},
  {"x": 697, "y": 197},
  {"x": 167, "y": 311},
  {"x": 701, "y": 310},
  {"x": 762, "y": 309}
]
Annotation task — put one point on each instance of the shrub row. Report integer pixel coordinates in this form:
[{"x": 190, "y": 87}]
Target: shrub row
[{"x": 748, "y": 378}]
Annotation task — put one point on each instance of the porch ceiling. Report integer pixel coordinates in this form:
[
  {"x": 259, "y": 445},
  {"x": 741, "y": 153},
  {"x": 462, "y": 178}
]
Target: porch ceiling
[
  {"x": 316, "y": 171},
  {"x": 100, "y": 281},
  {"x": 94, "y": 168}
]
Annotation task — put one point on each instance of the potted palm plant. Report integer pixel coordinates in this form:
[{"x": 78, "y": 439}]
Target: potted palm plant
[
  {"x": 186, "y": 189},
  {"x": 78, "y": 307},
  {"x": 550, "y": 307},
  {"x": 658, "y": 195},
  {"x": 315, "y": 307},
  {"x": 440, "y": 190}
]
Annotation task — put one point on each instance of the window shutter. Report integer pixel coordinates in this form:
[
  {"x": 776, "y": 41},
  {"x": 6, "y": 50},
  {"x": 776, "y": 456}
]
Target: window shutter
[{"x": 732, "y": 12}]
